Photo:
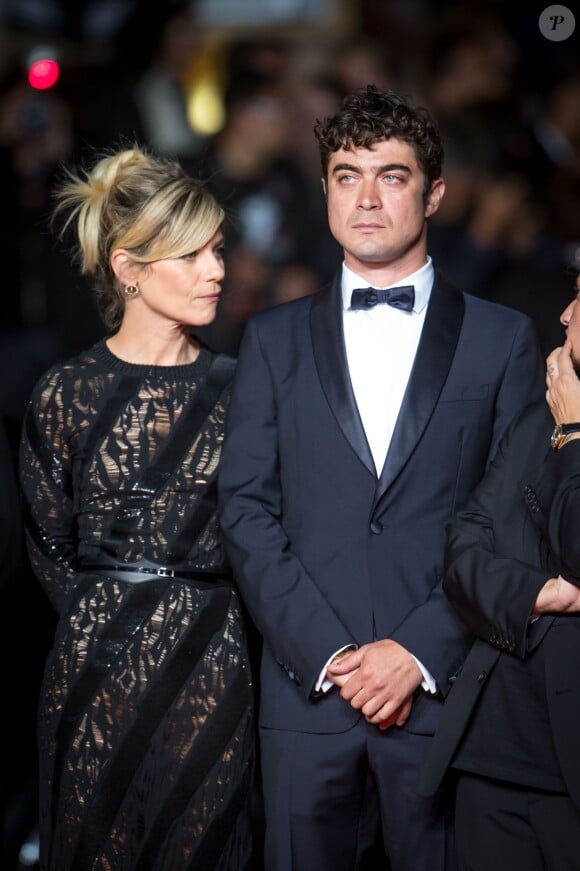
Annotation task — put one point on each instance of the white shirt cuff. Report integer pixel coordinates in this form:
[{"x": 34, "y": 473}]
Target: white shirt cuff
[
  {"x": 323, "y": 684},
  {"x": 428, "y": 683}
]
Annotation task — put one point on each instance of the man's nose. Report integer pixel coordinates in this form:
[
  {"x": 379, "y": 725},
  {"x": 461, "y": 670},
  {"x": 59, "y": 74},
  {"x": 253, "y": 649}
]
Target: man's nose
[{"x": 368, "y": 195}]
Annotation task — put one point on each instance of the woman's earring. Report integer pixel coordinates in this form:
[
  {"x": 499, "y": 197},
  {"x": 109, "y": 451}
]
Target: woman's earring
[{"x": 131, "y": 290}]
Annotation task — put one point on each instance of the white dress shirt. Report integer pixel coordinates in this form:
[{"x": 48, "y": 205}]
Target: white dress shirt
[{"x": 381, "y": 343}]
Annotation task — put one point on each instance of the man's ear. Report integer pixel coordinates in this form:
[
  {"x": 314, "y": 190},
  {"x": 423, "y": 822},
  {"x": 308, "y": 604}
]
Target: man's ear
[
  {"x": 434, "y": 197},
  {"x": 324, "y": 188}
]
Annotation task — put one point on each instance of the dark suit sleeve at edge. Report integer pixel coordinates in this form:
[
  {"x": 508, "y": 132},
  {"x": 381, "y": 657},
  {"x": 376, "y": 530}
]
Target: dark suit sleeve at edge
[
  {"x": 429, "y": 632},
  {"x": 493, "y": 592},
  {"x": 523, "y": 381}
]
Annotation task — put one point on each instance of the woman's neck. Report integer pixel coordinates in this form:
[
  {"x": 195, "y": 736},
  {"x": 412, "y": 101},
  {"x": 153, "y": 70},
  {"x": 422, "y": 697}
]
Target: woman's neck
[{"x": 174, "y": 346}]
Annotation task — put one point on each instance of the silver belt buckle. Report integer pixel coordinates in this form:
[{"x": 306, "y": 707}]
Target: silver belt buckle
[{"x": 166, "y": 573}]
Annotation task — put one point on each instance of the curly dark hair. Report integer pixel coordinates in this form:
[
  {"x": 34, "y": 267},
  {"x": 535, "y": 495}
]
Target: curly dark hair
[{"x": 370, "y": 115}]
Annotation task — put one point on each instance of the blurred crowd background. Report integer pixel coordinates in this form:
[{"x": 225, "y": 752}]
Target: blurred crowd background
[{"x": 233, "y": 88}]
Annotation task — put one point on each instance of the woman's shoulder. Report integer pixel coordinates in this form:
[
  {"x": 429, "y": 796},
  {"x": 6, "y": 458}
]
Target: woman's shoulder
[{"x": 64, "y": 374}]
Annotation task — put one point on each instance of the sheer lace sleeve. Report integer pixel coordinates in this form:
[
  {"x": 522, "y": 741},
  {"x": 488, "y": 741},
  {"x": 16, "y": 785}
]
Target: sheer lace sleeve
[{"x": 45, "y": 478}]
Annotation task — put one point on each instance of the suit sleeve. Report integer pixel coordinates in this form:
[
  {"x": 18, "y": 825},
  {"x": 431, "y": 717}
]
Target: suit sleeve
[
  {"x": 523, "y": 381},
  {"x": 431, "y": 631},
  {"x": 559, "y": 496},
  {"x": 493, "y": 593},
  {"x": 297, "y": 622}
]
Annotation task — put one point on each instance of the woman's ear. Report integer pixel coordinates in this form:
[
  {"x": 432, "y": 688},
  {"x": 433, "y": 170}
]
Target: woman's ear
[{"x": 123, "y": 266}]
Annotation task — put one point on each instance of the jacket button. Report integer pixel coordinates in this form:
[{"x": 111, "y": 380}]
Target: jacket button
[
  {"x": 376, "y": 527},
  {"x": 481, "y": 676}
]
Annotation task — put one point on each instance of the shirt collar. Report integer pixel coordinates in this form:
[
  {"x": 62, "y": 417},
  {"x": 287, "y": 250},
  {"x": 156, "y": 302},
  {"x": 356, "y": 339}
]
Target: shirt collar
[{"x": 422, "y": 280}]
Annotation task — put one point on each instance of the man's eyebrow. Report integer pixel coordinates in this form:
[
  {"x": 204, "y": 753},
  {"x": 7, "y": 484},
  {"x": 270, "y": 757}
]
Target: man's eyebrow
[{"x": 380, "y": 170}]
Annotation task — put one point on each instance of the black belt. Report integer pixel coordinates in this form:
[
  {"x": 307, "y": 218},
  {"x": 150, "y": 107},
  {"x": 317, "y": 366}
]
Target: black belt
[{"x": 135, "y": 574}]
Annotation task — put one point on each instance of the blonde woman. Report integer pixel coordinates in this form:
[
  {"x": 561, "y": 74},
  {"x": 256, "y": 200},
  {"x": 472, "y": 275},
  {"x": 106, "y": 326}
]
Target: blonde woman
[{"x": 146, "y": 732}]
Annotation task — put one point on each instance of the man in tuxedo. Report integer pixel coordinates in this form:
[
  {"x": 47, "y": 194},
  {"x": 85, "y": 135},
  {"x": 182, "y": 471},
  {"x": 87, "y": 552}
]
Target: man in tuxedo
[
  {"x": 360, "y": 420},
  {"x": 510, "y": 727}
]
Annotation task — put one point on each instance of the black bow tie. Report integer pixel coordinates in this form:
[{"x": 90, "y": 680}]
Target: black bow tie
[{"x": 368, "y": 297}]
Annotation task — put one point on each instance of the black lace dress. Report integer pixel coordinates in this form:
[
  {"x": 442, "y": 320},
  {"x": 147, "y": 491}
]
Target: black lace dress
[{"x": 146, "y": 730}]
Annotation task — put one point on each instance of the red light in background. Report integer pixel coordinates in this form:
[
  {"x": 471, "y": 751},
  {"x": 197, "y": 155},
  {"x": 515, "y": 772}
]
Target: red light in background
[{"x": 43, "y": 73}]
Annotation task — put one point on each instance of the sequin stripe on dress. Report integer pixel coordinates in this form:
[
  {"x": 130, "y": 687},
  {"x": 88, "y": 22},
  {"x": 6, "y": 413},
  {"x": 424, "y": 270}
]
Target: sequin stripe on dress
[
  {"x": 140, "y": 600},
  {"x": 121, "y": 769},
  {"x": 52, "y": 548},
  {"x": 209, "y": 745},
  {"x": 125, "y": 389},
  {"x": 163, "y": 465},
  {"x": 180, "y": 546},
  {"x": 40, "y": 450},
  {"x": 221, "y": 828}
]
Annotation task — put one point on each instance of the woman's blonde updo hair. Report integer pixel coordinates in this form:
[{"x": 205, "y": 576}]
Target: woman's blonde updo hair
[{"x": 134, "y": 200}]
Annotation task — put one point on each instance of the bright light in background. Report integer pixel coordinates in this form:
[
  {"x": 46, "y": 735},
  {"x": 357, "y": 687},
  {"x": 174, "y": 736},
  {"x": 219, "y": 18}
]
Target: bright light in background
[
  {"x": 204, "y": 97},
  {"x": 43, "y": 74},
  {"x": 43, "y": 68},
  {"x": 205, "y": 111}
]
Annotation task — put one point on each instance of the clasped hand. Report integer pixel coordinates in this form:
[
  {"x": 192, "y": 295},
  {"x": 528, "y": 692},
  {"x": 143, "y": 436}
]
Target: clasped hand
[{"x": 379, "y": 680}]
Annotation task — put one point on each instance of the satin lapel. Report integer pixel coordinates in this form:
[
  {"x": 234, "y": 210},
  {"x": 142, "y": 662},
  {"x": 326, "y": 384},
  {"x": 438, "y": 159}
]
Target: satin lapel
[
  {"x": 437, "y": 345},
  {"x": 330, "y": 356}
]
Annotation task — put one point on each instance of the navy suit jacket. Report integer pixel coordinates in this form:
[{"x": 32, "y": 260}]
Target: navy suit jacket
[{"x": 326, "y": 553}]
